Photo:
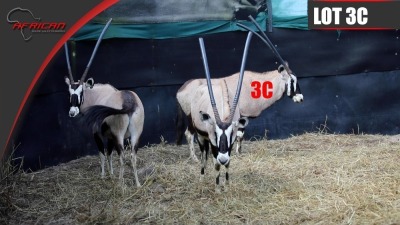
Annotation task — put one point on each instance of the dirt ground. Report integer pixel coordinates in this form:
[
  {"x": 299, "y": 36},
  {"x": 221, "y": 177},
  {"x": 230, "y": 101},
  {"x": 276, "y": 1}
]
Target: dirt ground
[{"x": 313, "y": 178}]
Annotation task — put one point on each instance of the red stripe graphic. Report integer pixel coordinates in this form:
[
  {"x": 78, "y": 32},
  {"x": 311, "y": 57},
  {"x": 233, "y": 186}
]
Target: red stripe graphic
[{"x": 68, "y": 34}]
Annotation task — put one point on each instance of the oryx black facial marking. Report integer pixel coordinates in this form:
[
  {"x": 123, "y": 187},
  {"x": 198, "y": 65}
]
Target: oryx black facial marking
[
  {"x": 293, "y": 89},
  {"x": 224, "y": 140},
  {"x": 76, "y": 91},
  {"x": 75, "y": 96}
]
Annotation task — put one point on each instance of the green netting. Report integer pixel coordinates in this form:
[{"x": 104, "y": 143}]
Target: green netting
[
  {"x": 164, "y": 30},
  {"x": 290, "y": 14},
  {"x": 176, "y": 23}
]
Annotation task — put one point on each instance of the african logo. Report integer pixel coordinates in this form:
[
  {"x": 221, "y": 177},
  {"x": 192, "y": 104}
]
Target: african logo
[{"x": 25, "y": 21}]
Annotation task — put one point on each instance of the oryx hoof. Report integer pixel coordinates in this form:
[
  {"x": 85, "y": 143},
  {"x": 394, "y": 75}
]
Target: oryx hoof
[
  {"x": 218, "y": 189},
  {"x": 226, "y": 188},
  {"x": 194, "y": 158}
]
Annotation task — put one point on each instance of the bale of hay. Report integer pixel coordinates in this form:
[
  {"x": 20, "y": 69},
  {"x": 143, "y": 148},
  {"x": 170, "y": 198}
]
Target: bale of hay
[{"x": 312, "y": 178}]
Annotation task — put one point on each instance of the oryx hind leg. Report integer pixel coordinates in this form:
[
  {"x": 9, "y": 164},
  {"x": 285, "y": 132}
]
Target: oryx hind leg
[
  {"x": 100, "y": 146},
  {"x": 135, "y": 135},
  {"x": 119, "y": 146},
  {"x": 239, "y": 139},
  {"x": 135, "y": 129},
  {"x": 118, "y": 125},
  {"x": 110, "y": 147},
  {"x": 134, "y": 163},
  {"x": 189, "y": 134}
]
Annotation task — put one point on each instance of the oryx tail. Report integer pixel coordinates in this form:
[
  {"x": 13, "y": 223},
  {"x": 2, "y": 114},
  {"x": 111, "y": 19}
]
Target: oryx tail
[{"x": 95, "y": 115}]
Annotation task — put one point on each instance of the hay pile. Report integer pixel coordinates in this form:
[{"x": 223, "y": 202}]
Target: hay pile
[{"x": 308, "y": 179}]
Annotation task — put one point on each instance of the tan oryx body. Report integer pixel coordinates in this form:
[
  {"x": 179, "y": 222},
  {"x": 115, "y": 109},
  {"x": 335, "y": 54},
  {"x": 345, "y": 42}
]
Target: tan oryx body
[
  {"x": 220, "y": 137},
  {"x": 248, "y": 106},
  {"x": 214, "y": 116},
  {"x": 111, "y": 114}
]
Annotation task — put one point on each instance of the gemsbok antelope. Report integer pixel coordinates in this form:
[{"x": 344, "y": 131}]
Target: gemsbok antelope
[
  {"x": 216, "y": 120},
  {"x": 282, "y": 82},
  {"x": 111, "y": 114}
]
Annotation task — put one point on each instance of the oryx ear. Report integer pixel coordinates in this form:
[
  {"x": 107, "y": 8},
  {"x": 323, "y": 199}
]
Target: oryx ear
[
  {"x": 89, "y": 83},
  {"x": 205, "y": 117},
  {"x": 243, "y": 122},
  {"x": 67, "y": 81},
  {"x": 281, "y": 67}
]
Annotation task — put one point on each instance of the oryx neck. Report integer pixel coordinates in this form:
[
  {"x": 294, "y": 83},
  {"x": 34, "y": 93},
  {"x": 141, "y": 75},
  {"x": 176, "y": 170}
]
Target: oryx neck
[{"x": 97, "y": 94}]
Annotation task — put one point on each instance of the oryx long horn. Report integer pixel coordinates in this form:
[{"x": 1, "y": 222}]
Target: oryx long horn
[
  {"x": 95, "y": 50},
  {"x": 210, "y": 90},
  {"x": 267, "y": 41},
  {"x": 68, "y": 63},
  {"x": 239, "y": 85}
]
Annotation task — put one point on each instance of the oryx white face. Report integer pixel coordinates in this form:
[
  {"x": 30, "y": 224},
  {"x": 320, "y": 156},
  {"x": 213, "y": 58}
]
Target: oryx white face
[
  {"x": 75, "y": 97},
  {"x": 293, "y": 89},
  {"x": 225, "y": 138},
  {"x": 222, "y": 136}
]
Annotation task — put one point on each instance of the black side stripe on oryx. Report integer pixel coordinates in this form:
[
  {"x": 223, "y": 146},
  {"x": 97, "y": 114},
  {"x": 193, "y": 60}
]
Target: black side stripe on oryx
[
  {"x": 202, "y": 133},
  {"x": 95, "y": 115}
]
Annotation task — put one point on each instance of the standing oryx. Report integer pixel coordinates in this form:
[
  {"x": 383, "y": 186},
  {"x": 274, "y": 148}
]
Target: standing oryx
[
  {"x": 112, "y": 114},
  {"x": 216, "y": 120},
  {"x": 282, "y": 82}
]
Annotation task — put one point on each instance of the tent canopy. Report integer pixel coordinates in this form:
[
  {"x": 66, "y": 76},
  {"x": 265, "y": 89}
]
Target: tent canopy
[{"x": 161, "y": 19}]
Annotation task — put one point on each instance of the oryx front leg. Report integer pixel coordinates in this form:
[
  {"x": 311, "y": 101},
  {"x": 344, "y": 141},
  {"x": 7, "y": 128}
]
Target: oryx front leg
[
  {"x": 217, "y": 168},
  {"x": 204, "y": 148},
  {"x": 226, "y": 178},
  {"x": 190, "y": 140}
]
